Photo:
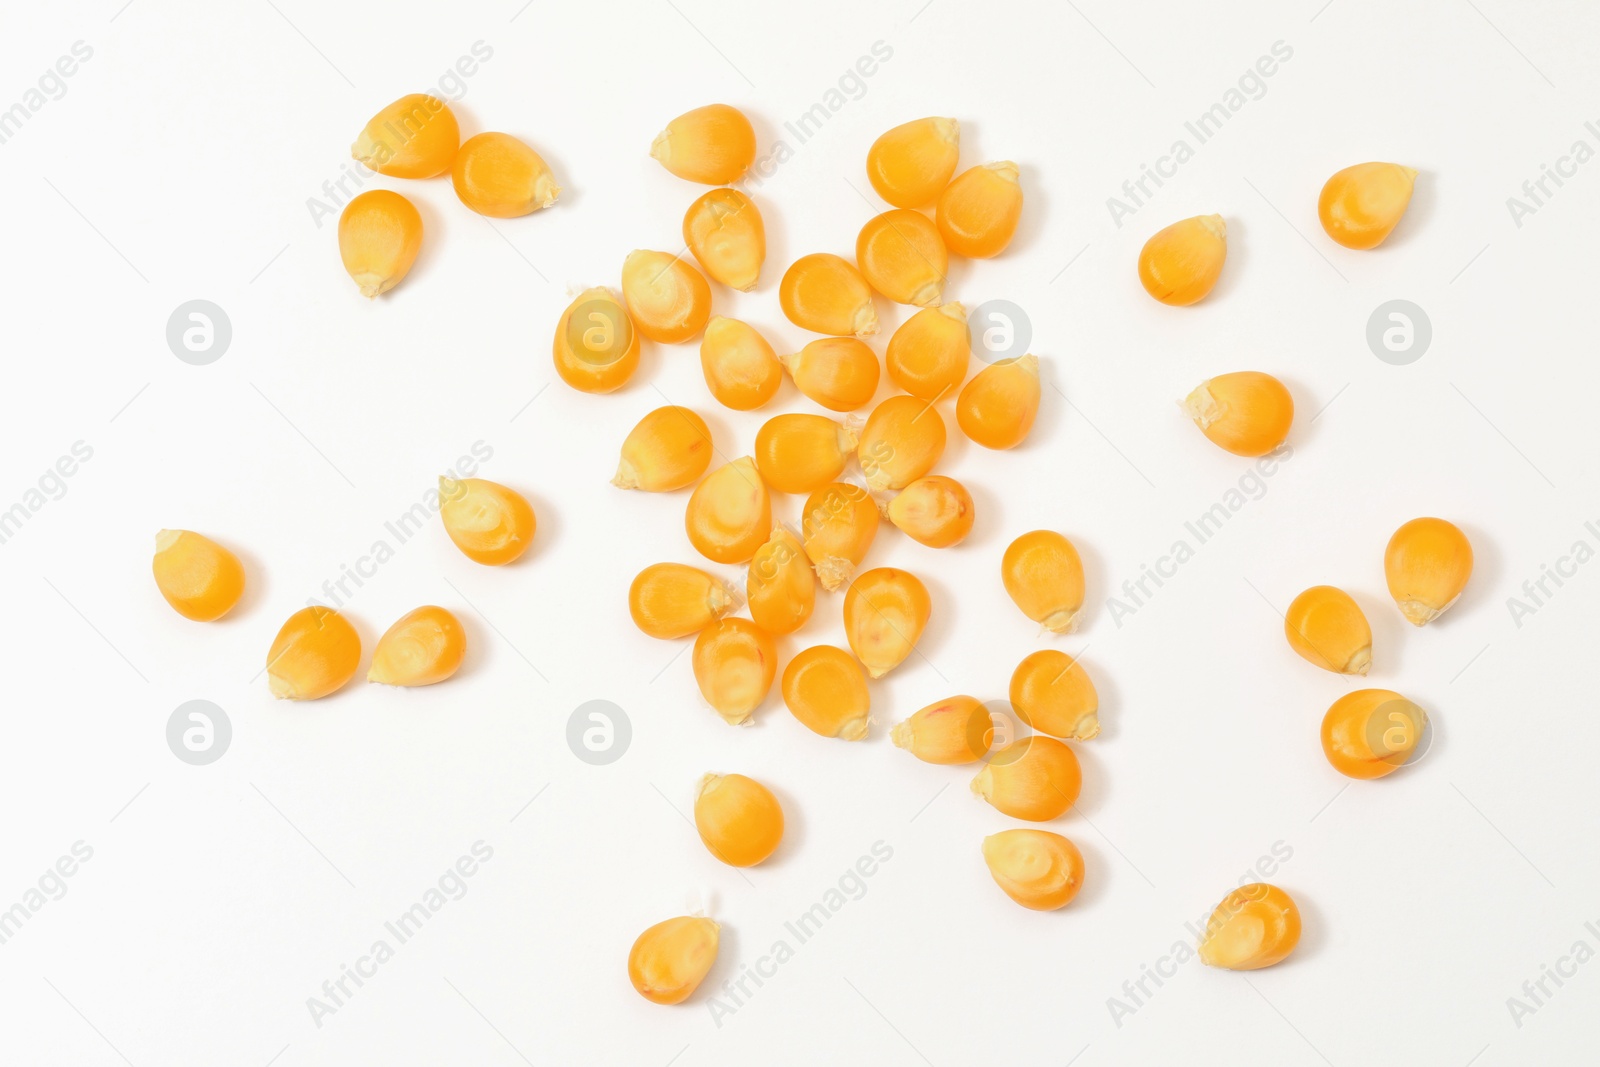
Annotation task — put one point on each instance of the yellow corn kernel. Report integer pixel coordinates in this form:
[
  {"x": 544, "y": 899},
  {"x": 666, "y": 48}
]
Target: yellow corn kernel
[
  {"x": 198, "y": 577},
  {"x": 824, "y": 293},
  {"x": 741, "y": 369},
  {"x": 799, "y": 453},
  {"x": 840, "y": 373},
  {"x": 669, "y": 449},
  {"x": 978, "y": 212},
  {"x": 1361, "y": 205},
  {"x": 1427, "y": 564},
  {"x": 501, "y": 177},
  {"x": 315, "y": 653},
  {"x": 997, "y": 408},
  {"x": 885, "y": 612},
  {"x": 779, "y": 585},
  {"x": 824, "y": 688},
  {"x": 912, "y": 163},
  {"x": 1247, "y": 413},
  {"x": 596, "y": 348},
  {"x": 902, "y": 256},
  {"x": 1181, "y": 263},
  {"x": 669, "y": 960},
  {"x": 1051, "y": 692},
  {"x": 739, "y": 819},
  {"x": 1255, "y": 926},
  {"x": 423, "y": 647},
  {"x": 730, "y": 513},
  {"x": 414, "y": 137},
  {"x": 1326, "y": 627},
  {"x": 902, "y": 440},
  {"x": 928, "y": 355},
  {"x": 1371, "y": 732},
  {"x": 1044, "y": 576},
  {"x": 1035, "y": 868},
  {"x": 380, "y": 233},
  {"x": 670, "y": 600},
  {"x": 725, "y": 232},
  {"x": 734, "y": 663},
  {"x": 712, "y": 145},
  {"x": 1036, "y": 778},
  {"x": 953, "y": 731},
  {"x": 837, "y": 527},
  {"x": 935, "y": 510},
  {"x": 668, "y": 300},
  {"x": 489, "y": 523}
]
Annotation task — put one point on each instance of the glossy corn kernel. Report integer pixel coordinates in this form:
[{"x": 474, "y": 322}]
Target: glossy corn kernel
[
  {"x": 739, "y": 819},
  {"x": 1181, "y": 263},
  {"x": 935, "y": 510},
  {"x": 670, "y": 600},
  {"x": 885, "y": 612},
  {"x": 997, "y": 408},
  {"x": 1326, "y": 627},
  {"x": 1051, "y": 692},
  {"x": 837, "y": 527},
  {"x": 1361, "y": 205},
  {"x": 725, "y": 232},
  {"x": 1247, "y": 413},
  {"x": 902, "y": 256},
  {"x": 712, "y": 145},
  {"x": 198, "y": 577},
  {"x": 1035, "y": 868},
  {"x": 315, "y": 653},
  {"x": 840, "y": 373},
  {"x": 734, "y": 663},
  {"x": 730, "y": 513},
  {"x": 1255, "y": 926},
  {"x": 596, "y": 348},
  {"x": 902, "y": 440},
  {"x": 668, "y": 300},
  {"x": 1036, "y": 778},
  {"x": 825, "y": 689},
  {"x": 779, "y": 584},
  {"x": 1371, "y": 732},
  {"x": 489, "y": 523},
  {"x": 1044, "y": 576},
  {"x": 928, "y": 355},
  {"x": 668, "y": 449},
  {"x": 953, "y": 731},
  {"x": 414, "y": 137},
  {"x": 669, "y": 960},
  {"x": 1427, "y": 565},
  {"x": 978, "y": 212},
  {"x": 499, "y": 176},
  {"x": 380, "y": 233},
  {"x": 422, "y": 647},
  {"x": 741, "y": 369},
  {"x": 800, "y": 453},
  {"x": 911, "y": 164},
  {"x": 826, "y": 294}
]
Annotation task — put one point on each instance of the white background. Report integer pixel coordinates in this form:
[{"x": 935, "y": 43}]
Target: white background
[{"x": 178, "y": 165}]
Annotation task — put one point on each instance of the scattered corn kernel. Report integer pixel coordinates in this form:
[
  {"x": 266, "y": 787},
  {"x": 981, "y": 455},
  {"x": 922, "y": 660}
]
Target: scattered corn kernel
[
  {"x": 315, "y": 653},
  {"x": 840, "y": 373},
  {"x": 501, "y": 177},
  {"x": 739, "y": 819},
  {"x": 596, "y": 348},
  {"x": 953, "y": 731},
  {"x": 1361, "y": 205},
  {"x": 668, "y": 300},
  {"x": 779, "y": 585},
  {"x": 380, "y": 233},
  {"x": 902, "y": 256},
  {"x": 1255, "y": 926},
  {"x": 490, "y": 523},
  {"x": 885, "y": 612},
  {"x": 712, "y": 145},
  {"x": 1044, "y": 576},
  {"x": 725, "y": 232},
  {"x": 730, "y": 513},
  {"x": 997, "y": 408},
  {"x": 912, "y": 163},
  {"x": 826, "y": 294},
  {"x": 1247, "y": 413},
  {"x": 741, "y": 369},
  {"x": 668, "y": 449},
  {"x": 837, "y": 527},
  {"x": 1036, "y": 778},
  {"x": 978, "y": 212},
  {"x": 670, "y": 600},
  {"x": 928, "y": 355},
  {"x": 1427, "y": 564},
  {"x": 414, "y": 137},
  {"x": 825, "y": 689},
  {"x": 734, "y": 663},
  {"x": 902, "y": 440},
  {"x": 423, "y": 647},
  {"x": 799, "y": 453},
  {"x": 1051, "y": 692},
  {"x": 1181, "y": 263},
  {"x": 1371, "y": 732},
  {"x": 1035, "y": 868},
  {"x": 935, "y": 510},
  {"x": 198, "y": 577},
  {"x": 1326, "y": 626},
  {"x": 669, "y": 960}
]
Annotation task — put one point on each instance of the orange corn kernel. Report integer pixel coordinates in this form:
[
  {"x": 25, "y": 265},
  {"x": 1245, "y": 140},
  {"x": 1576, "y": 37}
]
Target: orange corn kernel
[
  {"x": 315, "y": 653},
  {"x": 1361, "y": 205},
  {"x": 739, "y": 819},
  {"x": 671, "y": 600},
  {"x": 824, "y": 293},
  {"x": 414, "y": 137},
  {"x": 1247, "y": 413},
  {"x": 712, "y": 145},
  {"x": 902, "y": 440},
  {"x": 779, "y": 585},
  {"x": 734, "y": 664},
  {"x": 1255, "y": 926},
  {"x": 1371, "y": 732},
  {"x": 725, "y": 232},
  {"x": 1427, "y": 565},
  {"x": 1036, "y": 778},
  {"x": 1035, "y": 868},
  {"x": 902, "y": 256},
  {"x": 422, "y": 647},
  {"x": 380, "y": 233},
  {"x": 799, "y": 453},
  {"x": 667, "y": 450},
  {"x": 1043, "y": 574},
  {"x": 885, "y": 612},
  {"x": 489, "y": 523},
  {"x": 198, "y": 577},
  {"x": 1181, "y": 263},
  {"x": 953, "y": 731},
  {"x": 1051, "y": 692},
  {"x": 825, "y": 689},
  {"x": 935, "y": 510},
  {"x": 501, "y": 177},
  {"x": 840, "y": 373},
  {"x": 1326, "y": 627},
  {"x": 596, "y": 348},
  {"x": 837, "y": 527},
  {"x": 730, "y": 513},
  {"x": 668, "y": 300},
  {"x": 997, "y": 408},
  {"x": 928, "y": 355},
  {"x": 978, "y": 212},
  {"x": 741, "y": 369},
  {"x": 911, "y": 164},
  {"x": 669, "y": 960}
]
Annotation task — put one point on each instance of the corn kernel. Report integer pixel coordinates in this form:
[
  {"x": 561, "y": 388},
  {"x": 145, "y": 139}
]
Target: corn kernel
[
  {"x": 1044, "y": 576},
  {"x": 1427, "y": 565},
  {"x": 741, "y": 369},
  {"x": 928, "y": 355},
  {"x": 779, "y": 585},
  {"x": 380, "y": 233},
  {"x": 1181, "y": 263},
  {"x": 935, "y": 510},
  {"x": 1051, "y": 692},
  {"x": 725, "y": 232},
  {"x": 837, "y": 527},
  {"x": 840, "y": 373},
  {"x": 422, "y": 647},
  {"x": 902, "y": 256},
  {"x": 668, "y": 300},
  {"x": 501, "y": 177},
  {"x": 1247, "y": 413},
  {"x": 712, "y": 145},
  {"x": 730, "y": 513},
  {"x": 1035, "y": 868},
  {"x": 315, "y": 653},
  {"x": 198, "y": 577},
  {"x": 902, "y": 440},
  {"x": 1361, "y": 205},
  {"x": 912, "y": 163},
  {"x": 800, "y": 453},
  {"x": 490, "y": 523},
  {"x": 414, "y": 137},
  {"x": 739, "y": 819},
  {"x": 826, "y": 294},
  {"x": 997, "y": 408},
  {"x": 1255, "y": 926},
  {"x": 668, "y": 449},
  {"x": 825, "y": 689},
  {"x": 596, "y": 348},
  {"x": 734, "y": 663},
  {"x": 670, "y": 600},
  {"x": 1326, "y": 627},
  {"x": 1371, "y": 732},
  {"x": 885, "y": 612},
  {"x": 669, "y": 960},
  {"x": 978, "y": 212},
  {"x": 953, "y": 731},
  {"x": 1036, "y": 778}
]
